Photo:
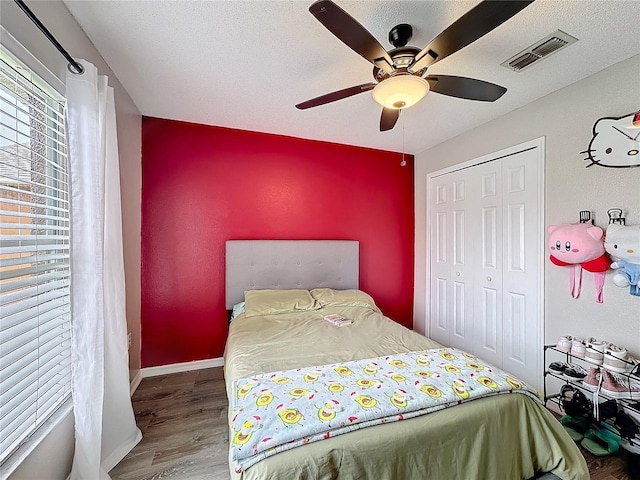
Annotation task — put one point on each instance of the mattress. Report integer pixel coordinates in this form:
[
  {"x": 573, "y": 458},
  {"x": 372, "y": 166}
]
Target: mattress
[{"x": 501, "y": 437}]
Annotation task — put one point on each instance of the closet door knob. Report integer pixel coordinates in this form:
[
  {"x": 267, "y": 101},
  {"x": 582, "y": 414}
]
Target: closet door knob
[
  {"x": 457, "y": 274},
  {"x": 488, "y": 279}
]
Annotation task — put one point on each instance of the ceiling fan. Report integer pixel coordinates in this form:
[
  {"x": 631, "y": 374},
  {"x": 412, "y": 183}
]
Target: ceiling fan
[{"x": 400, "y": 73}]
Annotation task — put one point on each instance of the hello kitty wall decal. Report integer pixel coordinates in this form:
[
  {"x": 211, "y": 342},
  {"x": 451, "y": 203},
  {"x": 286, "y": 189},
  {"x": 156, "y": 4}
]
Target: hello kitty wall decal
[
  {"x": 615, "y": 142},
  {"x": 585, "y": 246}
]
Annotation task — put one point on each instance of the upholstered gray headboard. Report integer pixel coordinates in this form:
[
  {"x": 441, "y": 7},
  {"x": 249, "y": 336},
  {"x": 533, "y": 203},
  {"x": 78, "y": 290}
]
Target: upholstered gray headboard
[{"x": 280, "y": 264}]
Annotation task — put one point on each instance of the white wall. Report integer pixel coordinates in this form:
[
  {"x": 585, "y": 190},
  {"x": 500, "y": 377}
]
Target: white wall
[
  {"x": 52, "y": 459},
  {"x": 565, "y": 118}
]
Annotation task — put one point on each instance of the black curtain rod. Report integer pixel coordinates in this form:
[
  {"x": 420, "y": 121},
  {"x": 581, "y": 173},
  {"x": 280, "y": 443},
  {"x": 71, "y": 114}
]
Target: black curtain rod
[{"x": 77, "y": 68}]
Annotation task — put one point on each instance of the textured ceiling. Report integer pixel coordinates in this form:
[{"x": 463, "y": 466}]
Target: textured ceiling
[{"x": 245, "y": 64}]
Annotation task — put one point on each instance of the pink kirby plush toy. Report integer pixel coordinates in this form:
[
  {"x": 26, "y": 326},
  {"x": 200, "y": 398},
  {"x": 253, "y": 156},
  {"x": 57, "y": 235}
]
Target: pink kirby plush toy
[{"x": 579, "y": 245}]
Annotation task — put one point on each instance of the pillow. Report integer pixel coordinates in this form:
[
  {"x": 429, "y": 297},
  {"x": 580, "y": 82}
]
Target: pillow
[
  {"x": 238, "y": 308},
  {"x": 343, "y": 298},
  {"x": 270, "y": 302}
]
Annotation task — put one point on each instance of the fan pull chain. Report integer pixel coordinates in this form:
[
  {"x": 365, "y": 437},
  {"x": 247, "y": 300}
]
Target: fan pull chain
[{"x": 403, "y": 162}]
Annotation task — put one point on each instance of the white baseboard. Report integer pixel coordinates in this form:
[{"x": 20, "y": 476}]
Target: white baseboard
[
  {"x": 181, "y": 367},
  {"x": 135, "y": 381}
]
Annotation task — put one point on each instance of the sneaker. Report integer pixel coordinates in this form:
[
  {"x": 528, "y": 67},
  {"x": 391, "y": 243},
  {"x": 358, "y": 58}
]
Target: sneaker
[
  {"x": 593, "y": 356},
  {"x": 564, "y": 343},
  {"x": 594, "y": 353},
  {"x": 592, "y": 380},
  {"x": 575, "y": 373},
  {"x": 578, "y": 348},
  {"x": 615, "y": 359},
  {"x": 615, "y": 388},
  {"x": 596, "y": 345},
  {"x": 615, "y": 351},
  {"x": 558, "y": 367}
]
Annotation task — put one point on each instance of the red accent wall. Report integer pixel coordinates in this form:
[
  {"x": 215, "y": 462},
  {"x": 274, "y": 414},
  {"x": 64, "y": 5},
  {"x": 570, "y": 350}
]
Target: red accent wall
[{"x": 203, "y": 185}]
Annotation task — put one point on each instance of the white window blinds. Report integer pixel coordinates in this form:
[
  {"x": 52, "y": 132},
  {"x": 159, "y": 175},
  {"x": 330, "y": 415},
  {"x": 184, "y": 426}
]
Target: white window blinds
[{"x": 35, "y": 323}]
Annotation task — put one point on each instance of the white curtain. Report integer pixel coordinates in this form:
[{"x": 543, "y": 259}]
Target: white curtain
[{"x": 105, "y": 427}]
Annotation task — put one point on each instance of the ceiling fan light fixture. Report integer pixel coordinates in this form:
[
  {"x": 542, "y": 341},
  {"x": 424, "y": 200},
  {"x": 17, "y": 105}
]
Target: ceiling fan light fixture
[{"x": 400, "y": 91}]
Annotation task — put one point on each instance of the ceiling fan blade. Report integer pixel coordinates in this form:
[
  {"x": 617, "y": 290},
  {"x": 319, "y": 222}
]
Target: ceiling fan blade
[
  {"x": 388, "y": 118},
  {"x": 338, "y": 95},
  {"x": 463, "y": 87},
  {"x": 352, "y": 34},
  {"x": 474, "y": 24}
]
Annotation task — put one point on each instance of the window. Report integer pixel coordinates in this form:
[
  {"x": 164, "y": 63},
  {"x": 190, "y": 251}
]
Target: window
[{"x": 35, "y": 322}]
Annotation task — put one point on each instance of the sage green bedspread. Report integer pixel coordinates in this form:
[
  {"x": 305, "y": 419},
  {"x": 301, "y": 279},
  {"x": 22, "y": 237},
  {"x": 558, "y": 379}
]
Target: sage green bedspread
[{"x": 502, "y": 437}]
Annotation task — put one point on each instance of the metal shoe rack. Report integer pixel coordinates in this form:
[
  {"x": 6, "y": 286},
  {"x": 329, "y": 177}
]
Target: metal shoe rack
[{"x": 630, "y": 405}]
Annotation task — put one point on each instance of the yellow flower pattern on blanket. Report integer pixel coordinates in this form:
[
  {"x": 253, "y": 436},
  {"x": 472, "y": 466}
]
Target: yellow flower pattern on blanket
[{"x": 278, "y": 411}]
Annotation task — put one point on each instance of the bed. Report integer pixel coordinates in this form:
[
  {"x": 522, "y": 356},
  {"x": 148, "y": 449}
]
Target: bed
[{"x": 506, "y": 436}]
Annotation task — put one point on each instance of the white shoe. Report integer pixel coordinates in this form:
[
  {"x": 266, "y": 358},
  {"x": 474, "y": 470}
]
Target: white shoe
[
  {"x": 615, "y": 359},
  {"x": 564, "y": 343},
  {"x": 597, "y": 345},
  {"x": 594, "y": 352},
  {"x": 578, "y": 348}
]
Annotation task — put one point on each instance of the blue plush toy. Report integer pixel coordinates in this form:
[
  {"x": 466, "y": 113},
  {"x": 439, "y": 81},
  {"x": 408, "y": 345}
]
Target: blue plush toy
[{"x": 622, "y": 242}]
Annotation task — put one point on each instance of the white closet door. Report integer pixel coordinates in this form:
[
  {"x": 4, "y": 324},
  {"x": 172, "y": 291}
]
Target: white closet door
[
  {"x": 487, "y": 252},
  {"x": 522, "y": 344},
  {"x": 485, "y": 240},
  {"x": 439, "y": 259},
  {"x": 452, "y": 298}
]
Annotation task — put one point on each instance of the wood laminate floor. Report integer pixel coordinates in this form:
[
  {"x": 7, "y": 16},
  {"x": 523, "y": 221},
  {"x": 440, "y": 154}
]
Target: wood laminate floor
[{"x": 183, "y": 418}]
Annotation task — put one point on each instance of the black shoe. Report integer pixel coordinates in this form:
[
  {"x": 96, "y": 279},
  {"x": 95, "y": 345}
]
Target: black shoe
[
  {"x": 558, "y": 367},
  {"x": 575, "y": 373}
]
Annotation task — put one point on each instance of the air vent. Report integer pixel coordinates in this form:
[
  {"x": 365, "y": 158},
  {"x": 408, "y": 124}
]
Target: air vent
[
  {"x": 539, "y": 50},
  {"x": 549, "y": 46},
  {"x": 523, "y": 61}
]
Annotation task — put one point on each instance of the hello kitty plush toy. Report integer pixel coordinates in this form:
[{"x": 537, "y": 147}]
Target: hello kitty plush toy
[
  {"x": 622, "y": 242},
  {"x": 579, "y": 245}
]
